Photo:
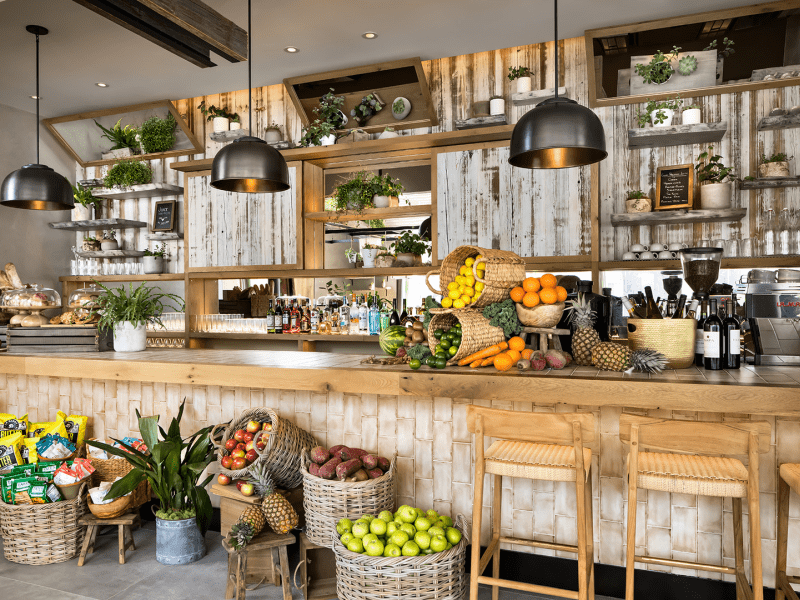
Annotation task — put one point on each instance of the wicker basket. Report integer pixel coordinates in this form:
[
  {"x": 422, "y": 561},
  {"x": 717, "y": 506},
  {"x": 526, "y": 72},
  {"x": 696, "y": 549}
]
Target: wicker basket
[
  {"x": 111, "y": 468},
  {"x": 476, "y": 333},
  {"x": 282, "y": 452},
  {"x": 115, "y": 508},
  {"x": 42, "y": 534},
  {"x": 439, "y": 576},
  {"x": 326, "y": 500},
  {"x": 674, "y": 338},
  {"x": 259, "y": 305},
  {"x": 541, "y": 315},
  {"x": 504, "y": 270}
]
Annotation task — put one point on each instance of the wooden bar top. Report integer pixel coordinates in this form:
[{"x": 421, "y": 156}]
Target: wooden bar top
[{"x": 769, "y": 390}]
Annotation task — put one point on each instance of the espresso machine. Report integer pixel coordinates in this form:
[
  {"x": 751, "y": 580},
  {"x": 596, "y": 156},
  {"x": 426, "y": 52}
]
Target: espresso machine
[{"x": 772, "y": 308}]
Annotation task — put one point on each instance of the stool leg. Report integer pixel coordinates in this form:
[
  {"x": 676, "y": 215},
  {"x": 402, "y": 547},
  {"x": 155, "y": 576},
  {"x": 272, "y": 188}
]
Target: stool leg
[
  {"x": 496, "y": 511},
  {"x": 587, "y": 490},
  {"x": 783, "y": 533},
  {"x": 753, "y": 501},
  {"x": 241, "y": 576},
  {"x": 287, "y": 586},
  {"x": 87, "y": 540},
  {"x": 738, "y": 547},
  {"x": 630, "y": 555},
  {"x": 477, "y": 509},
  {"x": 229, "y": 588},
  {"x": 130, "y": 534},
  {"x": 580, "y": 501}
]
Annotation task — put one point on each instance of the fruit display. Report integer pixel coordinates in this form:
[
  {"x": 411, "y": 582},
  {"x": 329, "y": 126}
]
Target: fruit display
[
  {"x": 346, "y": 464},
  {"x": 584, "y": 336},
  {"x": 394, "y": 337},
  {"x": 539, "y": 290},
  {"x": 415, "y": 334},
  {"x": 464, "y": 290},
  {"x": 504, "y": 315},
  {"x": 610, "y": 356},
  {"x": 243, "y": 449},
  {"x": 408, "y": 532},
  {"x": 512, "y": 353}
]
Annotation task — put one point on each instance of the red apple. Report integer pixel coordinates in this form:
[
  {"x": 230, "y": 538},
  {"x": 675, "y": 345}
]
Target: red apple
[
  {"x": 251, "y": 456},
  {"x": 238, "y": 454},
  {"x": 226, "y": 462},
  {"x": 230, "y": 444},
  {"x": 223, "y": 479},
  {"x": 247, "y": 489},
  {"x": 239, "y": 435},
  {"x": 253, "y": 426},
  {"x": 239, "y": 483},
  {"x": 261, "y": 444},
  {"x": 241, "y": 446},
  {"x": 248, "y": 437},
  {"x": 267, "y": 427},
  {"x": 249, "y": 446},
  {"x": 239, "y": 463}
]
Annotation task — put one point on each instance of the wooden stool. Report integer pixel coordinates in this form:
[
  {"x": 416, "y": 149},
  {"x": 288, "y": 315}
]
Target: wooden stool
[
  {"x": 123, "y": 523},
  {"x": 788, "y": 479},
  {"x": 551, "y": 449},
  {"x": 237, "y": 562},
  {"x": 701, "y": 475},
  {"x": 544, "y": 335}
]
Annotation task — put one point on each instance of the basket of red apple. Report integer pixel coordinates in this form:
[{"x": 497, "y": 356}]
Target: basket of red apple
[{"x": 260, "y": 435}]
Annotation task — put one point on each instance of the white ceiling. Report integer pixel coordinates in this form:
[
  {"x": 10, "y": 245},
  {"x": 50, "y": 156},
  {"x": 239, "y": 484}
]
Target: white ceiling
[{"x": 83, "y": 47}]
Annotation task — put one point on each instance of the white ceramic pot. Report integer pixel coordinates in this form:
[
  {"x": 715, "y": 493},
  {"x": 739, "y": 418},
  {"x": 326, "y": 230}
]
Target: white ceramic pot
[
  {"x": 638, "y": 205},
  {"x": 497, "y": 106},
  {"x": 388, "y": 134},
  {"x": 385, "y": 201},
  {"x": 235, "y": 126},
  {"x": 128, "y": 338},
  {"x": 220, "y": 124},
  {"x": 691, "y": 116},
  {"x": 327, "y": 140},
  {"x": 406, "y": 108},
  {"x": 369, "y": 254},
  {"x": 109, "y": 245},
  {"x": 406, "y": 259},
  {"x": 272, "y": 135},
  {"x": 153, "y": 264},
  {"x": 716, "y": 195},
  {"x": 773, "y": 169},
  {"x": 667, "y": 121},
  {"x": 524, "y": 84},
  {"x": 82, "y": 213}
]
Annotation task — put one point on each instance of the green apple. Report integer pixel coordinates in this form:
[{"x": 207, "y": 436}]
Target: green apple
[
  {"x": 408, "y": 514},
  {"x": 420, "y": 513},
  {"x": 423, "y": 524},
  {"x": 360, "y": 529},
  {"x": 439, "y": 523},
  {"x": 410, "y": 549},
  {"x": 355, "y": 545},
  {"x": 378, "y": 526},
  {"x": 343, "y": 526},
  {"x": 434, "y": 531},
  {"x": 375, "y": 548},
  {"x": 449, "y": 545},
  {"x": 438, "y": 543},
  {"x": 345, "y": 539},
  {"x": 409, "y": 529},
  {"x": 428, "y": 551},
  {"x": 392, "y": 550},
  {"x": 399, "y": 538},
  {"x": 423, "y": 540},
  {"x": 432, "y": 515},
  {"x": 370, "y": 537},
  {"x": 391, "y": 528},
  {"x": 448, "y": 522},
  {"x": 453, "y": 535},
  {"x": 366, "y": 518},
  {"x": 386, "y": 515}
]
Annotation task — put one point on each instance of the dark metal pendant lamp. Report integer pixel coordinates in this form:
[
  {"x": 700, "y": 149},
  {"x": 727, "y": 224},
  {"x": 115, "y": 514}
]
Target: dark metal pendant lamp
[
  {"x": 249, "y": 164},
  {"x": 37, "y": 186},
  {"x": 558, "y": 133}
]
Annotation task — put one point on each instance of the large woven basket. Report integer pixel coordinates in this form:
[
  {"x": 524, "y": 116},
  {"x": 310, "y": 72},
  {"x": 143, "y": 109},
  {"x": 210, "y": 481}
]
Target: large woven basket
[
  {"x": 439, "y": 576},
  {"x": 674, "y": 338},
  {"x": 476, "y": 333},
  {"x": 541, "y": 315},
  {"x": 110, "y": 469},
  {"x": 42, "y": 534},
  {"x": 504, "y": 270},
  {"x": 282, "y": 452},
  {"x": 326, "y": 500}
]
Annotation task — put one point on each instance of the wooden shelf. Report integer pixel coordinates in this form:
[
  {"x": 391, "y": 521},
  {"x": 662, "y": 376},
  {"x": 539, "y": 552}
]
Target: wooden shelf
[
  {"x": 145, "y": 190},
  {"x": 110, "y": 253},
  {"x": 535, "y": 97},
  {"x": 96, "y": 224},
  {"x": 478, "y": 122},
  {"x": 762, "y": 184},
  {"x": 752, "y": 262},
  {"x": 783, "y": 122},
  {"x": 267, "y": 273},
  {"x": 289, "y": 337},
  {"x": 676, "y": 135},
  {"x": 228, "y": 136},
  {"x": 368, "y": 214},
  {"x": 673, "y": 217},
  {"x": 102, "y": 278},
  {"x": 166, "y": 236}
]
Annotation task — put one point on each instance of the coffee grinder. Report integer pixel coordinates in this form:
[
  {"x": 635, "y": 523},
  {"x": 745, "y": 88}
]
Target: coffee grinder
[
  {"x": 672, "y": 285},
  {"x": 701, "y": 269}
]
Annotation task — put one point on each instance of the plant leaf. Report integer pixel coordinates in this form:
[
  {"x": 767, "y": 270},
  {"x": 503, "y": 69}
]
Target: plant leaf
[{"x": 125, "y": 485}]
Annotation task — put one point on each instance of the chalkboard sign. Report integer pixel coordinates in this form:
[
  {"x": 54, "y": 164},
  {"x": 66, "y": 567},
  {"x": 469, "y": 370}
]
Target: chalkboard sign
[
  {"x": 675, "y": 187},
  {"x": 164, "y": 215}
]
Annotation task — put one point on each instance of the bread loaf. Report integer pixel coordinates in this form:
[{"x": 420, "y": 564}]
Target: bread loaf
[
  {"x": 13, "y": 277},
  {"x": 5, "y": 282}
]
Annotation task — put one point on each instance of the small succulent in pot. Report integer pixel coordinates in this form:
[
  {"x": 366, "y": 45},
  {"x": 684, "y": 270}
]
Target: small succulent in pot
[
  {"x": 90, "y": 244},
  {"x": 638, "y": 202},
  {"x": 776, "y": 165},
  {"x": 658, "y": 112},
  {"x": 517, "y": 72},
  {"x": 366, "y": 109},
  {"x": 314, "y": 133},
  {"x": 659, "y": 69}
]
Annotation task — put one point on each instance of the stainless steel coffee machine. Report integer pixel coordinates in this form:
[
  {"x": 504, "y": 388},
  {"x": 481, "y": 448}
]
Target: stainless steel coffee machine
[{"x": 772, "y": 308}]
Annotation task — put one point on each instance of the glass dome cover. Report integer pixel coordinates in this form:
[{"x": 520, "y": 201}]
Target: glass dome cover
[
  {"x": 32, "y": 297},
  {"x": 85, "y": 297}
]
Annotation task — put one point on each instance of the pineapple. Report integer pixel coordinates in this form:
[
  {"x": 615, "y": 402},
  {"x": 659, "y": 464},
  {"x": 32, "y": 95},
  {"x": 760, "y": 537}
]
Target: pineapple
[
  {"x": 242, "y": 532},
  {"x": 278, "y": 512},
  {"x": 608, "y": 356},
  {"x": 584, "y": 337}
]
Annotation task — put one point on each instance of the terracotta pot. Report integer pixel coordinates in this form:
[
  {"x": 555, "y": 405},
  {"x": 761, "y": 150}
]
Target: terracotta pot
[
  {"x": 638, "y": 205},
  {"x": 774, "y": 169}
]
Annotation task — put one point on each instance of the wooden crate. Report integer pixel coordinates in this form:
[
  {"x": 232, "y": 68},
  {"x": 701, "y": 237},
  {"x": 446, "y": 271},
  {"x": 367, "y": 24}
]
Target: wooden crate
[
  {"x": 317, "y": 571},
  {"x": 235, "y": 307},
  {"x": 58, "y": 338}
]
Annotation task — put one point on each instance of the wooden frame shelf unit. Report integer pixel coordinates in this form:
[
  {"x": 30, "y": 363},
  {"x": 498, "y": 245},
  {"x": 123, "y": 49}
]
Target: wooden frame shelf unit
[
  {"x": 762, "y": 184},
  {"x": 144, "y": 190},
  {"x": 122, "y": 278},
  {"x": 749, "y": 262},
  {"x": 396, "y": 212},
  {"x": 97, "y": 224},
  {"x": 680, "y": 216},
  {"x": 676, "y": 135},
  {"x": 782, "y": 122}
]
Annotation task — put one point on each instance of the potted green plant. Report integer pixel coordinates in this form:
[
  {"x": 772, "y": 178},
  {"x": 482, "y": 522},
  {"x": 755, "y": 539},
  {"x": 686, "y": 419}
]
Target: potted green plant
[
  {"x": 273, "y": 133},
  {"x": 775, "y": 166},
  {"x": 522, "y": 75},
  {"x": 659, "y": 70},
  {"x": 388, "y": 133},
  {"x": 386, "y": 191},
  {"x": 127, "y": 314},
  {"x": 638, "y": 202},
  {"x": 691, "y": 115},
  {"x": 330, "y": 110},
  {"x": 409, "y": 248},
  {"x": 369, "y": 252},
  {"x": 87, "y": 201},
  {"x": 716, "y": 180},
  {"x": 353, "y": 256},
  {"x": 355, "y": 193},
  {"x": 127, "y": 173},
  {"x": 726, "y": 51},
  {"x": 90, "y": 244},
  {"x": 318, "y": 133},
  {"x": 367, "y": 108},
  {"x": 401, "y": 107},
  {"x": 109, "y": 241},
  {"x": 157, "y": 134},
  {"x": 497, "y": 106},
  {"x": 659, "y": 113},
  {"x": 124, "y": 139},
  {"x": 236, "y": 122},
  {"x": 384, "y": 260},
  {"x": 173, "y": 465},
  {"x": 220, "y": 116},
  {"x": 154, "y": 259}
]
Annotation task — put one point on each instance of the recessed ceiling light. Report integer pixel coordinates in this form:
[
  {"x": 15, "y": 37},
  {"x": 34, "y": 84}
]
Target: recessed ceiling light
[
  {"x": 291, "y": 49},
  {"x": 370, "y": 35},
  {"x": 101, "y": 84},
  {"x": 36, "y": 97}
]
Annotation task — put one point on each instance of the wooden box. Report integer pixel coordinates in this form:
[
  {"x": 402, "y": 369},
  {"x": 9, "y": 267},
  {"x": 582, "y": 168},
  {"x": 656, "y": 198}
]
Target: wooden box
[
  {"x": 235, "y": 307},
  {"x": 58, "y": 338},
  {"x": 317, "y": 571},
  {"x": 704, "y": 76}
]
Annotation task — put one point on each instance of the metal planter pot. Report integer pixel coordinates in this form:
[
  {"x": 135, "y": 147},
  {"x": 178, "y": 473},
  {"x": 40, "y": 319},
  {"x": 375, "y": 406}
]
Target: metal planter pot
[{"x": 179, "y": 542}]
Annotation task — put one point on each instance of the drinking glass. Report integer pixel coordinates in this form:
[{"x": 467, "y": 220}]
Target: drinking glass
[
  {"x": 747, "y": 247},
  {"x": 704, "y": 244},
  {"x": 73, "y": 267},
  {"x": 731, "y": 248},
  {"x": 718, "y": 244}
]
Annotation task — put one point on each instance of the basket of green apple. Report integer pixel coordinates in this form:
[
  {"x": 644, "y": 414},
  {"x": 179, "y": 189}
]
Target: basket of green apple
[{"x": 408, "y": 554}]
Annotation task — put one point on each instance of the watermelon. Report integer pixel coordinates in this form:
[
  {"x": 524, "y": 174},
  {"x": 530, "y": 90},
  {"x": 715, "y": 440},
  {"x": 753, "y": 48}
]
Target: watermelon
[{"x": 392, "y": 338}]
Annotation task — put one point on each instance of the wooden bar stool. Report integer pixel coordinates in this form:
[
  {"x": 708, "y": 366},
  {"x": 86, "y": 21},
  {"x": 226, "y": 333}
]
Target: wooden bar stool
[
  {"x": 124, "y": 525},
  {"x": 237, "y": 563},
  {"x": 547, "y": 446},
  {"x": 701, "y": 475},
  {"x": 788, "y": 479}
]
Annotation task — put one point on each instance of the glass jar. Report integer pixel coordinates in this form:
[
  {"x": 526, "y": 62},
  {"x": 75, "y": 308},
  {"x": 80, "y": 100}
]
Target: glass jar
[
  {"x": 32, "y": 298},
  {"x": 85, "y": 298}
]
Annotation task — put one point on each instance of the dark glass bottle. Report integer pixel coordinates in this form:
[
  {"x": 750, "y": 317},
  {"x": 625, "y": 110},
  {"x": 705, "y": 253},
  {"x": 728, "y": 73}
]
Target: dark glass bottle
[
  {"x": 677, "y": 312},
  {"x": 278, "y": 317},
  {"x": 651, "y": 308},
  {"x": 712, "y": 340},
  {"x": 731, "y": 331},
  {"x": 404, "y": 314},
  {"x": 699, "y": 344},
  {"x": 394, "y": 319}
]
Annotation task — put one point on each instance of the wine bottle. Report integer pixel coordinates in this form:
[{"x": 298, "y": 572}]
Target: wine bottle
[
  {"x": 712, "y": 340},
  {"x": 278, "y": 317},
  {"x": 314, "y": 318},
  {"x": 626, "y": 302},
  {"x": 699, "y": 345},
  {"x": 731, "y": 330},
  {"x": 404, "y": 314},
  {"x": 270, "y": 318},
  {"x": 692, "y": 312},
  {"x": 287, "y": 316},
  {"x": 394, "y": 319},
  {"x": 677, "y": 313},
  {"x": 651, "y": 308}
]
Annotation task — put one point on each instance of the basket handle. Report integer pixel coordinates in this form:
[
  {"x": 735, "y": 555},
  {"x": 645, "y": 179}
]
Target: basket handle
[
  {"x": 259, "y": 434},
  {"x": 461, "y": 522},
  {"x": 213, "y": 435},
  {"x": 294, "y": 577},
  {"x": 428, "y": 283},
  {"x": 475, "y": 270}
]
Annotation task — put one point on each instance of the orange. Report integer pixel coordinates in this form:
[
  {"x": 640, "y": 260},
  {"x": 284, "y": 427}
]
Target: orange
[
  {"x": 517, "y": 293},
  {"x": 527, "y": 353},
  {"x": 561, "y": 293},
  {"x": 548, "y": 281},
  {"x": 514, "y": 354},
  {"x": 516, "y": 343},
  {"x": 548, "y": 296},
  {"x": 503, "y": 362},
  {"x": 531, "y": 284},
  {"x": 530, "y": 299}
]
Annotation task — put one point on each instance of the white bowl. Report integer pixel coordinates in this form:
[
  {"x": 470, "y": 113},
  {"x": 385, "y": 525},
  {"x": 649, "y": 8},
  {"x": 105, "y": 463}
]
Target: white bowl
[
  {"x": 657, "y": 247},
  {"x": 676, "y": 246},
  {"x": 629, "y": 256},
  {"x": 666, "y": 255},
  {"x": 638, "y": 248}
]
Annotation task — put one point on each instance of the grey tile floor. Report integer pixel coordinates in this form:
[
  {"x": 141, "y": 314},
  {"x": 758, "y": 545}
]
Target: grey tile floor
[{"x": 143, "y": 578}]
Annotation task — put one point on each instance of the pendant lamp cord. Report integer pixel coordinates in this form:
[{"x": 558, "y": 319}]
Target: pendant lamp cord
[
  {"x": 250, "y": 67},
  {"x": 37, "y": 98},
  {"x": 555, "y": 26}
]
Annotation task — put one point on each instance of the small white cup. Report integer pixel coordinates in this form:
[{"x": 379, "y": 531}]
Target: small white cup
[
  {"x": 676, "y": 246},
  {"x": 666, "y": 255},
  {"x": 652, "y": 255},
  {"x": 657, "y": 247},
  {"x": 638, "y": 248},
  {"x": 629, "y": 256}
]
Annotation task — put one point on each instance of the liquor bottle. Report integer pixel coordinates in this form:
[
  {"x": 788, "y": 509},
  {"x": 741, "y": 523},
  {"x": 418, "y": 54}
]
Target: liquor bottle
[
  {"x": 404, "y": 314},
  {"x": 699, "y": 345},
  {"x": 270, "y": 318},
  {"x": 732, "y": 335},
  {"x": 335, "y": 321},
  {"x": 386, "y": 315},
  {"x": 286, "y": 318},
  {"x": 344, "y": 318},
  {"x": 278, "y": 317},
  {"x": 651, "y": 308},
  {"x": 677, "y": 313},
  {"x": 692, "y": 312},
  {"x": 363, "y": 317},
  {"x": 305, "y": 320},
  {"x": 628, "y": 304},
  {"x": 712, "y": 340},
  {"x": 394, "y": 319},
  {"x": 314, "y": 321},
  {"x": 374, "y": 317},
  {"x": 294, "y": 318},
  {"x": 355, "y": 328},
  {"x": 324, "y": 323}
]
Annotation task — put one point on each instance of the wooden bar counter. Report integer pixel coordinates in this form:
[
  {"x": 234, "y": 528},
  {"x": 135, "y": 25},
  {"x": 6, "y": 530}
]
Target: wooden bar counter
[{"x": 421, "y": 417}]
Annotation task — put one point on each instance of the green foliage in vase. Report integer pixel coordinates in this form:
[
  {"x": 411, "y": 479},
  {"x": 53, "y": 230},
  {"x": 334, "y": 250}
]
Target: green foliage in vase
[
  {"x": 711, "y": 169},
  {"x": 158, "y": 135},
  {"x": 123, "y": 137},
  {"x": 127, "y": 173},
  {"x": 140, "y": 306},
  {"x": 659, "y": 69},
  {"x": 517, "y": 72}
]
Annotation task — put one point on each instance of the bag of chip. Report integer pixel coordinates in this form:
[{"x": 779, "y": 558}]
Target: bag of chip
[
  {"x": 11, "y": 424},
  {"x": 48, "y": 468},
  {"x": 54, "y": 447},
  {"x": 76, "y": 427},
  {"x": 7, "y": 489},
  {"x": 10, "y": 455},
  {"x": 20, "y": 488},
  {"x": 38, "y": 492},
  {"x": 26, "y": 470},
  {"x": 28, "y": 450},
  {"x": 42, "y": 429}
]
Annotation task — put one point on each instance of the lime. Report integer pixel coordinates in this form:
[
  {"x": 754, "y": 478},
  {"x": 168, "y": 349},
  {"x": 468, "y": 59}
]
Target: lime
[
  {"x": 452, "y": 350},
  {"x": 456, "y": 341},
  {"x": 441, "y": 354},
  {"x": 431, "y": 361},
  {"x": 438, "y": 333},
  {"x": 444, "y": 344},
  {"x": 414, "y": 364},
  {"x": 441, "y": 362}
]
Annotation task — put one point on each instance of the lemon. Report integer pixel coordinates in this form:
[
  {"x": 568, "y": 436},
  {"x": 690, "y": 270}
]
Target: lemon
[
  {"x": 454, "y": 294},
  {"x": 469, "y": 262},
  {"x": 469, "y": 292},
  {"x": 466, "y": 299},
  {"x": 479, "y": 286},
  {"x": 461, "y": 289},
  {"x": 480, "y": 273},
  {"x": 477, "y": 258},
  {"x": 463, "y": 270},
  {"x": 458, "y": 303},
  {"x": 452, "y": 285},
  {"x": 460, "y": 279},
  {"x": 481, "y": 266},
  {"x": 470, "y": 281},
  {"x": 447, "y": 302}
]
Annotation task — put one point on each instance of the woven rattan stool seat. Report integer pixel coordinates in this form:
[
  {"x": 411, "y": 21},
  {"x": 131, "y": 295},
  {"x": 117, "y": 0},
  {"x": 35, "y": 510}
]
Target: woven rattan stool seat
[
  {"x": 689, "y": 474},
  {"x": 550, "y": 462},
  {"x": 791, "y": 475}
]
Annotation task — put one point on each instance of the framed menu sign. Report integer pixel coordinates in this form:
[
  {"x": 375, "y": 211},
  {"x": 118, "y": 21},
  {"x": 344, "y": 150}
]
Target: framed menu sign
[
  {"x": 164, "y": 215},
  {"x": 675, "y": 187}
]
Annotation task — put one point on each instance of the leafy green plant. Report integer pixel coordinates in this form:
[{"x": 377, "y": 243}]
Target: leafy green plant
[
  {"x": 398, "y": 106},
  {"x": 157, "y": 134},
  {"x": 726, "y": 51},
  {"x": 636, "y": 194},
  {"x": 374, "y": 247},
  {"x": 273, "y": 127},
  {"x": 657, "y": 106},
  {"x": 691, "y": 106},
  {"x": 386, "y": 185},
  {"x": 495, "y": 97},
  {"x": 517, "y": 72},
  {"x": 776, "y": 157},
  {"x": 711, "y": 169},
  {"x": 313, "y": 133},
  {"x": 330, "y": 109},
  {"x": 123, "y": 137},
  {"x": 659, "y": 69},
  {"x": 140, "y": 306},
  {"x": 364, "y": 111},
  {"x": 160, "y": 251},
  {"x": 355, "y": 193},
  {"x": 127, "y": 173},
  {"x": 209, "y": 112},
  {"x": 172, "y": 464},
  {"x": 84, "y": 196},
  {"x": 89, "y": 238},
  {"x": 110, "y": 235},
  {"x": 411, "y": 243}
]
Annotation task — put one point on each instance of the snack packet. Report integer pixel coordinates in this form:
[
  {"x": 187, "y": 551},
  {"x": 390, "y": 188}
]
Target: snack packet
[
  {"x": 20, "y": 487},
  {"x": 43, "y": 429},
  {"x": 135, "y": 443},
  {"x": 80, "y": 470},
  {"x": 98, "y": 452},
  {"x": 24, "y": 470},
  {"x": 28, "y": 450},
  {"x": 55, "y": 446},
  {"x": 6, "y": 487},
  {"x": 10, "y": 424},
  {"x": 42, "y": 492},
  {"x": 10, "y": 455},
  {"x": 48, "y": 468},
  {"x": 75, "y": 426}
]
